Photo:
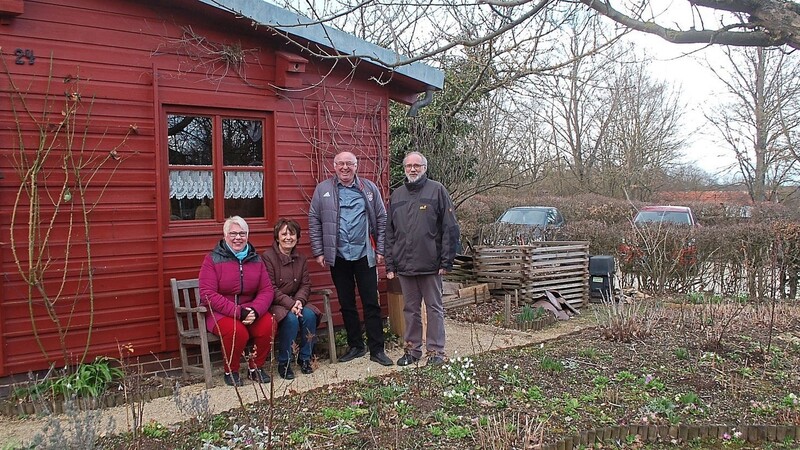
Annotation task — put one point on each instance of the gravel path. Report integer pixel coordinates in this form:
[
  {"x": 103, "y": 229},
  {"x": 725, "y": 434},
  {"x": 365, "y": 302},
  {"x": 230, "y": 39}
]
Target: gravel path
[{"x": 462, "y": 339}]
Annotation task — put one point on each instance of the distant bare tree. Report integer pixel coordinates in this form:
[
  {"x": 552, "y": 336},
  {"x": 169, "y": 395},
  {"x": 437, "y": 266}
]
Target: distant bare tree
[
  {"x": 689, "y": 177},
  {"x": 507, "y": 146},
  {"x": 643, "y": 140},
  {"x": 473, "y": 134},
  {"x": 760, "y": 121},
  {"x": 577, "y": 105}
]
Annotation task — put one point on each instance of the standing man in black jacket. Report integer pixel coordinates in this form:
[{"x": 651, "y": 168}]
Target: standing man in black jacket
[{"x": 422, "y": 234}]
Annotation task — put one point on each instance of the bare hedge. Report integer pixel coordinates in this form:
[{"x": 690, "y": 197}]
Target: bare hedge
[{"x": 756, "y": 256}]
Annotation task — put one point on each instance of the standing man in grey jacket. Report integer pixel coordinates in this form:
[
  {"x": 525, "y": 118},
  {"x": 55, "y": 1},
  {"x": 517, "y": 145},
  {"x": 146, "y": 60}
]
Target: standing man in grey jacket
[
  {"x": 422, "y": 234},
  {"x": 346, "y": 227}
]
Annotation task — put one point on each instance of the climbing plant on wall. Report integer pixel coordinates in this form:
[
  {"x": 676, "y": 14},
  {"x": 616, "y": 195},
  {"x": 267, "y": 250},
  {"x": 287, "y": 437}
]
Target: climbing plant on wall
[{"x": 58, "y": 160}]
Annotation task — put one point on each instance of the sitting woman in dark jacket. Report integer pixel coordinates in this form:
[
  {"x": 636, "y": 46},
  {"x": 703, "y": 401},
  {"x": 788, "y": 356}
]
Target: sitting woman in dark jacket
[
  {"x": 291, "y": 310},
  {"x": 236, "y": 289}
]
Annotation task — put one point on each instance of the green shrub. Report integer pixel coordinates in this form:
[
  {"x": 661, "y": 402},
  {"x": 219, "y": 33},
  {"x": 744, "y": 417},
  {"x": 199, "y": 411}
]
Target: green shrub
[
  {"x": 88, "y": 380},
  {"x": 529, "y": 314}
]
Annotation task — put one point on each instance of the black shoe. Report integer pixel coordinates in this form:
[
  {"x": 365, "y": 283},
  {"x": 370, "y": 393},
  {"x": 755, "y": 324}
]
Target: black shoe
[
  {"x": 435, "y": 361},
  {"x": 305, "y": 367},
  {"x": 407, "y": 359},
  {"x": 285, "y": 371},
  {"x": 259, "y": 376},
  {"x": 381, "y": 359},
  {"x": 232, "y": 379},
  {"x": 353, "y": 353}
]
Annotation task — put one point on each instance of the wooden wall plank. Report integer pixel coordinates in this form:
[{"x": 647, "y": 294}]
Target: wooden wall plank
[{"x": 131, "y": 65}]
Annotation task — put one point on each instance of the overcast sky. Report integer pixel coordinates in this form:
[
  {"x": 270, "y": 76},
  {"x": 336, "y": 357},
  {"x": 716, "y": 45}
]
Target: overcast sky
[
  {"x": 700, "y": 91},
  {"x": 684, "y": 65}
]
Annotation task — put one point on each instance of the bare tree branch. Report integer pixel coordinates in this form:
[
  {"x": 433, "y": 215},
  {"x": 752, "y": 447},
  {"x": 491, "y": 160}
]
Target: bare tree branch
[{"x": 764, "y": 23}]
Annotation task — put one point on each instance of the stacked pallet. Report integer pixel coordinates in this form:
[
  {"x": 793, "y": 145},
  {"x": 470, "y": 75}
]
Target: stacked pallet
[
  {"x": 462, "y": 271},
  {"x": 529, "y": 270},
  {"x": 457, "y": 294}
]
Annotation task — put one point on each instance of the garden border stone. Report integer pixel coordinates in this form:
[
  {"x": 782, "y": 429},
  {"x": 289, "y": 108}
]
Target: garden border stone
[{"x": 680, "y": 433}]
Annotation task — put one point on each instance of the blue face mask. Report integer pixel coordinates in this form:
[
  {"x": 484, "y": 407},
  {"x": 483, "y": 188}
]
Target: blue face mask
[{"x": 240, "y": 255}]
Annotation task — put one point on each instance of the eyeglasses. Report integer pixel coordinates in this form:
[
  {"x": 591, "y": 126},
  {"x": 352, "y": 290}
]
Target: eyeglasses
[
  {"x": 234, "y": 234},
  {"x": 345, "y": 163},
  {"x": 414, "y": 166}
]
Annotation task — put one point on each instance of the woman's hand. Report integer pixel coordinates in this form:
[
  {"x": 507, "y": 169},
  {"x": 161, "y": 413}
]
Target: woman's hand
[
  {"x": 297, "y": 309},
  {"x": 250, "y": 318}
]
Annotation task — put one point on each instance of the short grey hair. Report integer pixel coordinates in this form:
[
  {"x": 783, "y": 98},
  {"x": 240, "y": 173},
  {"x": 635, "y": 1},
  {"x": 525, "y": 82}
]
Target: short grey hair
[
  {"x": 235, "y": 220},
  {"x": 424, "y": 159},
  {"x": 342, "y": 153}
]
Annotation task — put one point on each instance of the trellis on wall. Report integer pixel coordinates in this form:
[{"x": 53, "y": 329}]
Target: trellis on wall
[{"x": 352, "y": 120}]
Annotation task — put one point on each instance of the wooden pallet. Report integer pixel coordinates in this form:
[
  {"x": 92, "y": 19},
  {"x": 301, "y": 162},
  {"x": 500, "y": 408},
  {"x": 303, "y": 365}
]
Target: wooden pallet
[
  {"x": 529, "y": 270},
  {"x": 457, "y": 295}
]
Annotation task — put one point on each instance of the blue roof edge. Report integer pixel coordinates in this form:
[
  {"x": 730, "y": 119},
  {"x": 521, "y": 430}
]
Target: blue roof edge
[{"x": 284, "y": 20}]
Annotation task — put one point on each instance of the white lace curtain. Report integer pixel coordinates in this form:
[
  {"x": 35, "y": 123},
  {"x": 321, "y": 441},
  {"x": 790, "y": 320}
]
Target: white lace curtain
[
  {"x": 197, "y": 184},
  {"x": 244, "y": 184}
]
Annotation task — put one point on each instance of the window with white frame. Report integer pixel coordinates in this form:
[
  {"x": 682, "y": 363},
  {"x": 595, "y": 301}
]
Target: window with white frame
[{"x": 216, "y": 166}]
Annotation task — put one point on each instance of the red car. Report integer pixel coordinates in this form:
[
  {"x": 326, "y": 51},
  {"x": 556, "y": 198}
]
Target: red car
[{"x": 666, "y": 215}]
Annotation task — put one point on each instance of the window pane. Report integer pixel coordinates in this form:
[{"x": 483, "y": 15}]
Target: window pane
[
  {"x": 190, "y": 194},
  {"x": 191, "y": 209},
  {"x": 242, "y": 142},
  {"x": 245, "y": 207},
  {"x": 244, "y": 193},
  {"x": 189, "y": 139}
]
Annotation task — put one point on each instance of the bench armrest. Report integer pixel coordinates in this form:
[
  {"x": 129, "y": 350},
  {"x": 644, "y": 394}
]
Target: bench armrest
[{"x": 197, "y": 309}]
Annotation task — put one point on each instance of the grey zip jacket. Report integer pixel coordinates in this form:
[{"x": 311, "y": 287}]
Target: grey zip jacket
[{"x": 323, "y": 219}]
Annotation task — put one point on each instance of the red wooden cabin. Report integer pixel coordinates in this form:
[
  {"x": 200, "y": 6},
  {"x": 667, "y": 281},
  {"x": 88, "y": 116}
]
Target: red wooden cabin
[{"x": 154, "y": 121}]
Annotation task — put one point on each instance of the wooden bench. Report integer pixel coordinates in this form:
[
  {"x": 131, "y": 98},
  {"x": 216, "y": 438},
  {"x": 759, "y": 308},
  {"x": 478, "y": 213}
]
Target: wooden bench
[{"x": 191, "y": 319}]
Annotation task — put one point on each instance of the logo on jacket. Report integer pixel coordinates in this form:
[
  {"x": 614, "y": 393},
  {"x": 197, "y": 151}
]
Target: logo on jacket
[
  {"x": 327, "y": 194},
  {"x": 369, "y": 196},
  {"x": 423, "y": 207}
]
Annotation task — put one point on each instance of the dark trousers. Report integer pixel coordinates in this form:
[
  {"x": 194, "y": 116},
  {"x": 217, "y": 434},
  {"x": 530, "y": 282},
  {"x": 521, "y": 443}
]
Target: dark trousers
[{"x": 346, "y": 276}]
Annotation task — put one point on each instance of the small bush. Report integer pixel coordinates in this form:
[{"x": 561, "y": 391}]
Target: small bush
[
  {"x": 529, "y": 314},
  {"x": 88, "y": 380},
  {"x": 624, "y": 321}
]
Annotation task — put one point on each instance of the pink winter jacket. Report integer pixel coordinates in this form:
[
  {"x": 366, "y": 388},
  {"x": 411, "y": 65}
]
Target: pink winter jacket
[{"x": 228, "y": 287}]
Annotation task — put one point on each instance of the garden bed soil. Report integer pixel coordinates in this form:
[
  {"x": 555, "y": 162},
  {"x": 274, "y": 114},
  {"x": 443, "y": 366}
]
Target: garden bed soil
[
  {"x": 690, "y": 368},
  {"x": 146, "y": 388},
  {"x": 492, "y": 312},
  {"x": 463, "y": 339}
]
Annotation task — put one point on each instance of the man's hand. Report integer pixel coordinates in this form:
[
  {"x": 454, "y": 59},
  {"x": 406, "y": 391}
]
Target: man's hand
[
  {"x": 380, "y": 259},
  {"x": 390, "y": 275},
  {"x": 321, "y": 260}
]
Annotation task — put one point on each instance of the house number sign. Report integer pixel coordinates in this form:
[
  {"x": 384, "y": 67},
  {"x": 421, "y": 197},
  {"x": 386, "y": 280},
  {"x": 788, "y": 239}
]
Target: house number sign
[{"x": 22, "y": 55}]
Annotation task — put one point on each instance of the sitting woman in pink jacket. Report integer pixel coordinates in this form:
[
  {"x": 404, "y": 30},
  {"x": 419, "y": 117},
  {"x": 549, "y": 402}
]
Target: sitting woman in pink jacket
[{"x": 236, "y": 289}]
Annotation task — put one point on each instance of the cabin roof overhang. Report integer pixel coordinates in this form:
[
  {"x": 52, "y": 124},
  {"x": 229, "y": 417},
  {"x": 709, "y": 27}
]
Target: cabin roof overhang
[{"x": 415, "y": 77}]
